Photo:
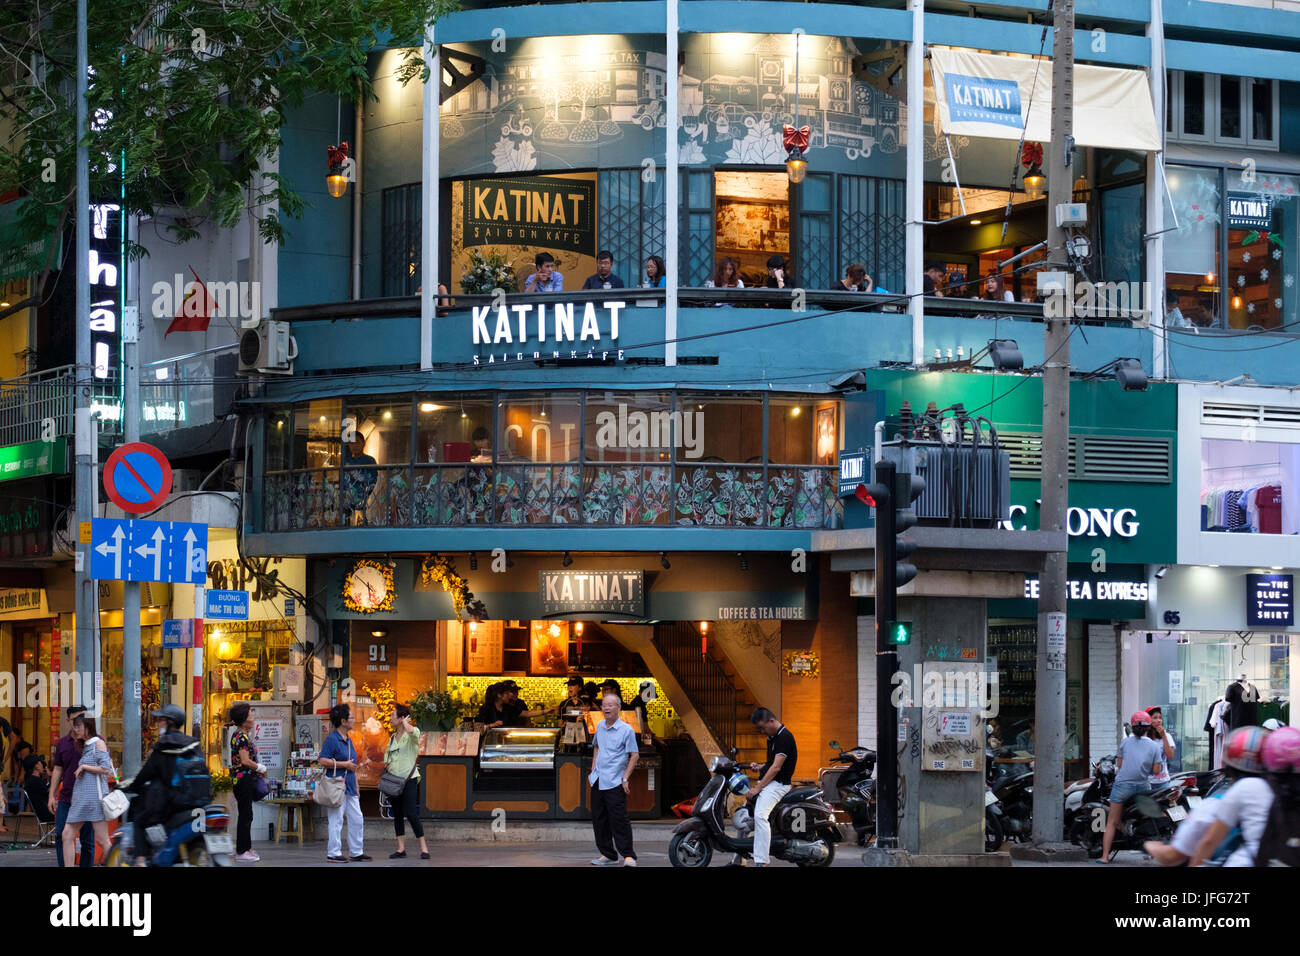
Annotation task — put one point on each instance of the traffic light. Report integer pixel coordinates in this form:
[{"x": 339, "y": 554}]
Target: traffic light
[
  {"x": 900, "y": 632},
  {"x": 907, "y": 488}
]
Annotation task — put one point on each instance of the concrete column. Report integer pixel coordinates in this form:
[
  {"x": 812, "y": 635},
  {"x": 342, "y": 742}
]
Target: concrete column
[
  {"x": 1155, "y": 200},
  {"x": 915, "y": 194}
]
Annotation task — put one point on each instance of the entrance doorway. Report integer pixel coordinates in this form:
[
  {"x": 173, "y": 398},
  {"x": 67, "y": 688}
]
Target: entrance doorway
[{"x": 752, "y": 220}]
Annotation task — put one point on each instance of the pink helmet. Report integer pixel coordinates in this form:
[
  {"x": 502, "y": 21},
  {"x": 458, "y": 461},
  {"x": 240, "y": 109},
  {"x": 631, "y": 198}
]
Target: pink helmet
[
  {"x": 1281, "y": 751},
  {"x": 1139, "y": 717},
  {"x": 1242, "y": 749}
]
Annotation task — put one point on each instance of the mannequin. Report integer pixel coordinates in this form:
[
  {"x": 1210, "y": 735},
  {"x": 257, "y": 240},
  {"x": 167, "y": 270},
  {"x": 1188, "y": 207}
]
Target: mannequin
[{"x": 1243, "y": 703}]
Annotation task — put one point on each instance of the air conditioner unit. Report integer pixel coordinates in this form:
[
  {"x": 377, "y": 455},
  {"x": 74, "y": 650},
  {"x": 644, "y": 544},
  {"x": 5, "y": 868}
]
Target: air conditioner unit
[{"x": 267, "y": 349}]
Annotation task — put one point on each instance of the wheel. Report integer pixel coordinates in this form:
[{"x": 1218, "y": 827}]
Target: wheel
[
  {"x": 691, "y": 849},
  {"x": 116, "y": 857},
  {"x": 1083, "y": 835},
  {"x": 993, "y": 835},
  {"x": 830, "y": 856}
]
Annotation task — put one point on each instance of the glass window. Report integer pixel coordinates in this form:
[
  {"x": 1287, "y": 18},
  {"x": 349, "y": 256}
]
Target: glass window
[
  {"x": 401, "y": 239},
  {"x": 635, "y": 426},
  {"x": 543, "y": 428},
  {"x": 316, "y": 434},
  {"x": 1194, "y": 104},
  {"x": 1261, "y": 109},
  {"x": 278, "y": 432},
  {"x": 1249, "y": 486},
  {"x": 1262, "y": 258},
  {"x": 1229, "y": 107},
  {"x": 1192, "y": 254},
  {"x": 381, "y": 429},
  {"x": 1122, "y": 218},
  {"x": 803, "y": 431},
  {"x": 453, "y": 430},
  {"x": 1169, "y": 102},
  {"x": 728, "y": 429}
]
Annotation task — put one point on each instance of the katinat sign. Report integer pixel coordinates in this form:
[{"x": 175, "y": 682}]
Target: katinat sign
[
  {"x": 1249, "y": 211},
  {"x": 534, "y": 331},
  {"x": 550, "y": 212},
  {"x": 571, "y": 592}
]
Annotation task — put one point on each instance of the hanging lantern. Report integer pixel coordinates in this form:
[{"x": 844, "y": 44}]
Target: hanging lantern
[
  {"x": 337, "y": 181},
  {"x": 1031, "y": 157},
  {"x": 704, "y": 638},
  {"x": 577, "y": 634},
  {"x": 796, "y": 141}
]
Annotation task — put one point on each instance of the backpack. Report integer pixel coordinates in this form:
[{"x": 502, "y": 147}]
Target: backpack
[
  {"x": 191, "y": 784},
  {"x": 1280, "y": 843}
]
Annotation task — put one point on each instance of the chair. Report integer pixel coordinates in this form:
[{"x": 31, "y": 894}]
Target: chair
[{"x": 44, "y": 830}]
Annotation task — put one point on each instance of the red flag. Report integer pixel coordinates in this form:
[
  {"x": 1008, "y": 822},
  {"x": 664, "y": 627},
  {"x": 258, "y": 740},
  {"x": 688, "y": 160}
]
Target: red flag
[{"x": 195, "y": 312}]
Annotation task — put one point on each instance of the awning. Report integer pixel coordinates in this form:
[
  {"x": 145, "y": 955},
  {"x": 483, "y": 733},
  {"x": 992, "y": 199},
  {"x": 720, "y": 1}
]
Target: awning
[{"x": 1001, "y": 97}]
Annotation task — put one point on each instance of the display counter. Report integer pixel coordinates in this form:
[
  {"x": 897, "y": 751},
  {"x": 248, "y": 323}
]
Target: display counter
[{"x": 526, "y": 772}]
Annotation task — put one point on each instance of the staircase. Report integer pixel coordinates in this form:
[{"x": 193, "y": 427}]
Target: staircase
[
  {"x": 708, "y": 688},
  {"x": 751, "y": 744}
]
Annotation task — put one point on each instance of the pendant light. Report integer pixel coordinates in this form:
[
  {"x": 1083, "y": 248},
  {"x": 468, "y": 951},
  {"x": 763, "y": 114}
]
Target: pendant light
[{"x": 795, "y": 138}]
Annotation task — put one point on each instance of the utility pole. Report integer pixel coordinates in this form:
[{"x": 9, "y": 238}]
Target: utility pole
[
  {"x": 85, "y": 439},
  {"x": 880, "y": 495},
  {"x": 131, "y": 700},
  {"x": 1049, "y": 703}
]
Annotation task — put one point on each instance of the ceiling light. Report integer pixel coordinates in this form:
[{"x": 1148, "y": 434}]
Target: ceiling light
[
  {"x": 977, "y": 222},
  {"x": 387, "y": 414},
  {"x": 794, "y": 412},
  {"x": 431, "y": 407}
]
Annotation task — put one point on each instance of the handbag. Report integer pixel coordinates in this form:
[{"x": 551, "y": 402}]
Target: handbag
[
  {"x": 113, "y": 803},
  {"x": 330, "y": 791},
  {"x": 391, "y": 785},
  {"x": 261, "y": 789}
]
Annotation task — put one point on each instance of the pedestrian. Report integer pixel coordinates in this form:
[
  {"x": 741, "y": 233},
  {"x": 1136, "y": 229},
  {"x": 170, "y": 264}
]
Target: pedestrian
[
  {"x": 1139, "y": 758},
  {"x": 1166, "y": 741},
  {"x": 245, "y": 769},
  {"x": 400, "y": 760},
  {"x": 1279, "y": 845},
  {"x": 1247, "y": 802},
  {"x": 612, "y": 762},
  {"x": 339, "y": 754},
  {"x": 774, "y": 777},
  {"x": 88, "y": 789},
  {"x": 67, "y": 754}
]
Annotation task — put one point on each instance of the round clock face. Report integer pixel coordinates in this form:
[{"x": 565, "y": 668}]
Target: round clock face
[{"x": 367, "y": 587}]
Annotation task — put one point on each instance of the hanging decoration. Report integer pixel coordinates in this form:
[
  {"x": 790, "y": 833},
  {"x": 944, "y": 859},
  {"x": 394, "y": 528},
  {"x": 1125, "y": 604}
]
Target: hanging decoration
[
  {"x": 442, "y": 570},
  {"x": 385, "y": 701},
  {"x": 802, "y": 664},
  {"x": 337, "y": 180},
  {"x": 795, "y": 138}
]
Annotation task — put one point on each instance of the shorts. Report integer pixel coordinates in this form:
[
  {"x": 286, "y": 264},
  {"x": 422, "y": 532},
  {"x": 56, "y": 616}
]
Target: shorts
[{"x": 1120, "y": 792}]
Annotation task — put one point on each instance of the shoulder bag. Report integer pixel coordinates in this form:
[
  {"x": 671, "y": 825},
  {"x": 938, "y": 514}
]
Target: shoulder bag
[
  {"x": 391, "y": 785},
  {"x": 113, "y": 803},
  {"x": 330, "y": 791}
]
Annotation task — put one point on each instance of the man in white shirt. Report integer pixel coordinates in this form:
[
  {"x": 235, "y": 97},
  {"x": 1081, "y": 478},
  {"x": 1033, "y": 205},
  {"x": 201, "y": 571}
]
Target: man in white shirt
[{"x": 612, "y": 762}]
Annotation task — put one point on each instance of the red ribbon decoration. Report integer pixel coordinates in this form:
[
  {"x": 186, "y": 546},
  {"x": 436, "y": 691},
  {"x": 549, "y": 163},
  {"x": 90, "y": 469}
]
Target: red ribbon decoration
[
  {"x": 1031, "y": 155},
  {"x": 795, "y": 138},
  {"x": 337, "y": 156}
]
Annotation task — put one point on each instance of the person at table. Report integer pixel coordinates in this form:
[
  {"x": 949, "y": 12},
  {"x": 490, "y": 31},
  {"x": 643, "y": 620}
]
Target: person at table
[
  {"x": 654, "y": 273},
  {"x": 518, "y": 712},
  {"x": 546, "y": 278},
  {"x": 604, "y": 277},
  {"x": 855, "y": 280},
  {"x": 482, "y": 440},
  {"x": 493, "y": 712}
]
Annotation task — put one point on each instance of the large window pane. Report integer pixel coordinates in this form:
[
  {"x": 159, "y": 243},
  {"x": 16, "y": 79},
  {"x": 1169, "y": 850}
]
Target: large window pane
[
  {"x": 453, "y": 430},
  {"x": 377, "y": 461},
  {"x": 1261, "y": 109},
  {"x": 1192, "y": 253},
  {"x": 541, "y": 428},
  {"x": 1262, "y": 258},
  {"x": 1194, "y": 104},
  {"x": 728, "y": 429},
  {"x": 1250, "y": 487},
  {"x": 803, "y": 431},
  {"x": 278, "y": 433},
  {"x": 1230, "y": 107},
  {"x": 635, "y": 426}
]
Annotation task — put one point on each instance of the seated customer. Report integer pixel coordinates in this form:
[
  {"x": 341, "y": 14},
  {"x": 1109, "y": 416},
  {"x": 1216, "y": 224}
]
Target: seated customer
[
  {"x": 604, "y": 277},
  {"x": 855, "y": 280},
  {"x": 546, "y": 278},
  {"x": 37, "y": 786},
  {"x": 726, "y": 276},
  {"x": 778, "y": 275}
]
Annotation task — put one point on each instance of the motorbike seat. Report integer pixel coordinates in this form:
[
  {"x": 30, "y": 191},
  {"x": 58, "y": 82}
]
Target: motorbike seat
[
  {"x": 799, "y": 794},
  {"x": 179, "y": 819}
]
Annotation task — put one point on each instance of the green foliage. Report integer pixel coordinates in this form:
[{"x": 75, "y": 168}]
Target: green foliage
[
  {"x": 191, "y": 94},
  {"x": 488, "y": 273}
]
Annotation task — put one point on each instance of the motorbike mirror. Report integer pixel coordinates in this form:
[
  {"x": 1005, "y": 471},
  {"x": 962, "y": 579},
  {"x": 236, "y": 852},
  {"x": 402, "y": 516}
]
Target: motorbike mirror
[
  {"x": 833, "y": 744},
  {"x": 734, "y": 751}
]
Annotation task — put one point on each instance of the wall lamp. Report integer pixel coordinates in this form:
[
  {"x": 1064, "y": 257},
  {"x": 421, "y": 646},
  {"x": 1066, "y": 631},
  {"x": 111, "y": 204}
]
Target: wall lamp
[
  {"x": 567, "y": 559},
  {"x": 663, "y": 560},
  {"x": 1127, "y": 371},
  {"x": 1162, "y": 570}
]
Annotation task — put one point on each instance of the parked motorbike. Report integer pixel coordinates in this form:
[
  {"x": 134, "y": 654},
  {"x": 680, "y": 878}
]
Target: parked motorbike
[
  {"x": 994, "y": 832},
  {"x": 1013, "y": 796},
  {"x": 1152, "y": 816},
  {"x": 200, "y": 837},
  {"x": 855, "y": 789},
  {"x": 804, "y": 830}
]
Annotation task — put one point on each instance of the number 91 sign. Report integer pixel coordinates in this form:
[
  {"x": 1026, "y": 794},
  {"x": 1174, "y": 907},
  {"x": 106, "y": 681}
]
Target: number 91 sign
[{"x": 381, "y": 656}]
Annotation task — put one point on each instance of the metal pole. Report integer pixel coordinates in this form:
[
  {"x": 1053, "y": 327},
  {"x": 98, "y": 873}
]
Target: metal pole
[
  {"x": 131, "y": 744},
  {"x": 1049, "y": 704},
  {"x": 915, "y": 187},
  {"x": 1155, "y": 199},
  {"x": 85, "y": 431},
  {"x": 886, "y": 665},
  {"x": 672, "y": 81},
  {"x": 429, "y": 255}
]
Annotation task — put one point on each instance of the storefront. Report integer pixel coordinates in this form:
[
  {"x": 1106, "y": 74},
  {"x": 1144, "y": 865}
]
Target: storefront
[{"x": 30, "y": 645}]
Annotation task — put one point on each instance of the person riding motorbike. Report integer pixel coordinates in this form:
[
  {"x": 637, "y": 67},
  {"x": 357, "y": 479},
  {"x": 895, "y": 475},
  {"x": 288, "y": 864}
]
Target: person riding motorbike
[
  {"x": 1247, "y": 802},
  {"x": 157, "y": 787}
]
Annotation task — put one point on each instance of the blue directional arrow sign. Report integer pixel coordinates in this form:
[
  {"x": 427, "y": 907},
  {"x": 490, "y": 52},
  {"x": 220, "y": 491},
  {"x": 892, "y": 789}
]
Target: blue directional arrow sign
[
  {"x": 150, "y": 551},
  {"x": 109, "y": 542},
  {"x": 189, "y": 557}
]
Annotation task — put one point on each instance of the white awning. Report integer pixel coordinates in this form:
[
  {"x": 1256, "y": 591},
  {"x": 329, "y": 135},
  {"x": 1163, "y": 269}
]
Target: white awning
[{"x": 982, "y": 94}]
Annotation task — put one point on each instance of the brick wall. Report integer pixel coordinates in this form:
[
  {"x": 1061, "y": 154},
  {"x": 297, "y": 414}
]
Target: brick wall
[{"x": 1103, "y": 691}]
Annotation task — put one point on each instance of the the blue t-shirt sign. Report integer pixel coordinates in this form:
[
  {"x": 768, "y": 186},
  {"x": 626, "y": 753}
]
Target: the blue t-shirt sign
[
  {"x": 227, "y": 605},
  {"x": 1270, "y": 600},
  {"x": 982, "y": 99}
]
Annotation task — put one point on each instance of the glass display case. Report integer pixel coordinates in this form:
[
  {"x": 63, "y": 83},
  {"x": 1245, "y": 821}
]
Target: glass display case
[{"x": 519, "y": 748}]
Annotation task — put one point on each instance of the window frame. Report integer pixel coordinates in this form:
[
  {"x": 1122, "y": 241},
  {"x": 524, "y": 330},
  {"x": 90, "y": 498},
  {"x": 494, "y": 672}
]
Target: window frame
[{"x": 1175, "y": 91}]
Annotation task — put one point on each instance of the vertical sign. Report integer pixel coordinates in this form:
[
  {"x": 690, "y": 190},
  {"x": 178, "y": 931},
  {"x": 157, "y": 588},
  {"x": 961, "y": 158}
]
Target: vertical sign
[
  {"x": 1175, "y": 687},
  {"x": 106, "y": 280},
  {"x": 1055, "y": 641},
  {"x": 1270, "y": 600}
]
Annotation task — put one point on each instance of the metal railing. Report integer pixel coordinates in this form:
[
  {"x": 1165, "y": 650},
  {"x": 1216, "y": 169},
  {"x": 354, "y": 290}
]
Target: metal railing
[
  {"x": 27, "y": 401},
  {"x": 706, "y": 684}
]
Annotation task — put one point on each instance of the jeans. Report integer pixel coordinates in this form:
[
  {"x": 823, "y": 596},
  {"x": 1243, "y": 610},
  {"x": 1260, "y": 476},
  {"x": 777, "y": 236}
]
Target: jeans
[
  {"x": 351, "y": 809},
  {"x": 245, "y": 787},
  {"x": 767, "y": 798},
  {"x": 406, "y": 807},
  {"x": 610, "y": 821},
  {"x": 1121, "y": 791},
  {"x": 87, "y": 836}
]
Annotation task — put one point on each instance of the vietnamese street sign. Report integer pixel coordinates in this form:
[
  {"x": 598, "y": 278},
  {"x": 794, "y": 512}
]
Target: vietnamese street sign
[
  {"x": 1270, "y": 600},
  {"x": 34, "y": 458},
  {"x": 227, "y": 605},
  {"x": 178, "y": 632},
  {"x": 123, "y": 549},
  {"x": 137, "y": 478}
]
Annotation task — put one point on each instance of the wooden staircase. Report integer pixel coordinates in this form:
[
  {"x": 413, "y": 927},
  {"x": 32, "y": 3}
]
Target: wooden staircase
[{"x": 751, "y": 744}]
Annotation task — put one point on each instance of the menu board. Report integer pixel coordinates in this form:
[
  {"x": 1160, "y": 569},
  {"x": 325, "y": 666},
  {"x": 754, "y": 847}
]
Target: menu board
[
  {"x": 455, "y": 648},
  {"x": 548, "y": 648},
  {"x": 484, "y": 647}
]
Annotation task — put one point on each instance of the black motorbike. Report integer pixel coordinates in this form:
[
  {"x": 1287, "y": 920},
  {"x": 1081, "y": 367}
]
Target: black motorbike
[
  {"x": 1145, "y": 816},
  {"x": 1009, "y": 801},
  {"x": 855, "y": 789},
  {"x": 804, "y": 830}
]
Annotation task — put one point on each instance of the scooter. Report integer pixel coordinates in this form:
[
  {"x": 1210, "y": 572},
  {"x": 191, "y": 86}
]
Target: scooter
[
  {"x": 195, "y": 837},
  {"x": 803, "y": 823},
  {"x": 1013, "y": 792},
  {"x": 855, "y": 788},
  {"x": 1145, "y": 816}
]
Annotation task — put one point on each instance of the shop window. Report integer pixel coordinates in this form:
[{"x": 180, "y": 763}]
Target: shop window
[
  {"x": 634, "y": 427},
  {"x": 279, "y": 431},
  {"x": 1250, "y": 487},
  {"x": 376, "y": 461},
  {"x": 1192, "y": 267},
  {"x": 752, "y": 219},
  {"x": 541, "y": 429},
  {"x": 401, "y": 239},
  {"x": 1262, "y": 218},
  {"x": 1229, "y": 110},
  {"x": 721, "y": 429},
  {"x": 803, "y": 431},
  {"x": 312, "y": 500}
]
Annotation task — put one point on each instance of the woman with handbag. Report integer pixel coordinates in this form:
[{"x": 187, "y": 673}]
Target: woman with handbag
[
  {"x": 401, "y": 781},
  {"x": 248, "y": 773},
  {"x": 339, "y": 758},
  {"x": 89, "y": 793}
]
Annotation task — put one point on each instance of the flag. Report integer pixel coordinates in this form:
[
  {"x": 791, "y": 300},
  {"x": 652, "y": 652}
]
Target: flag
[{"x": 195, "y": 312}]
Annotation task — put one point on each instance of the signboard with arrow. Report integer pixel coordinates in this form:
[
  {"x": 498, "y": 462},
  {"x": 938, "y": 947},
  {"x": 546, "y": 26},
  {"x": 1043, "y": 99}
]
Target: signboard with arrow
[{"x": 133, "y": 550}]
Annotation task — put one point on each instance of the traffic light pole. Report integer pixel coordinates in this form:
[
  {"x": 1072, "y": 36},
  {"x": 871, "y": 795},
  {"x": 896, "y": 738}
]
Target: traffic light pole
[{"x": 886, "y": 661}]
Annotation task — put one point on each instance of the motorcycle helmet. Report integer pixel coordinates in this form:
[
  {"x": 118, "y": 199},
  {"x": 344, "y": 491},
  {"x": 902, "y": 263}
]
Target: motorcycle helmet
[
  {"x": 743, "y": 820},
  {"x": 1241, "y": 750},
  {"x": 1273, "y": 724},
  {"x": 1139, "y": 717},
  {"x": 738, "y": 784},
  {"x": 1281, "y": 750}
]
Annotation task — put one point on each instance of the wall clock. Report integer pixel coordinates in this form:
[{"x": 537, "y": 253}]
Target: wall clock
[{"x": 368, "y": 587}]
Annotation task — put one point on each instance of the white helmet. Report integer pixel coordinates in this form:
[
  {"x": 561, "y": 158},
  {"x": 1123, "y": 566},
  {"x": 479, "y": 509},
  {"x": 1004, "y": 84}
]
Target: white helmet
[{"x": 1273, "y": 724}]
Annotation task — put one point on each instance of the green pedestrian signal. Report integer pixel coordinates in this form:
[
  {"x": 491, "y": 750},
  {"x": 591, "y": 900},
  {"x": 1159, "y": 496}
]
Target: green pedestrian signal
[{"x": 900, "y": 632}]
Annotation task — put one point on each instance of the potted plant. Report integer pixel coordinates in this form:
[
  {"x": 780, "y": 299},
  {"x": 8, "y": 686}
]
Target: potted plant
[
  {"x": 222, "y": 785},
  {"x": 434, "y": 710},
  {"x": 485, "y": 273}
]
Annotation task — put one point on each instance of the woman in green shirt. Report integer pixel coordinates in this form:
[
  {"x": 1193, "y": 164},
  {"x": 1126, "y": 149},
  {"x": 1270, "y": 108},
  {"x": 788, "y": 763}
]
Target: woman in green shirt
[{"x": 399, "y": 760}]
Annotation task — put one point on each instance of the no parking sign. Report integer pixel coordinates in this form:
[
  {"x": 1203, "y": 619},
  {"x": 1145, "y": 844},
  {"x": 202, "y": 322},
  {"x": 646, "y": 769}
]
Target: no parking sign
[{"x": 137, "y": 477}]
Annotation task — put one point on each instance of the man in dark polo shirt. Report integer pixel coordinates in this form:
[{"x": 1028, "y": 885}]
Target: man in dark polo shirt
[
  {"x": 66, "y": 758},
  {"x": 774, "y": 779}
]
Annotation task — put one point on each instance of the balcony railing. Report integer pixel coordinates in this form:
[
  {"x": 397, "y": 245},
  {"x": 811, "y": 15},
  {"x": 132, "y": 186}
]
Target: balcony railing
[
  {"x": 27, "y": 401},
  {"x": 592, "y": 495}
]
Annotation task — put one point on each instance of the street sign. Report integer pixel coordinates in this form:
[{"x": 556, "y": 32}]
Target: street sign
[
  {"x": 137, "y": 478},
  {"x": 227, "y": 606},
  {"x": 125, "y": 549},
  {"x": 178, "y": 632}
]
